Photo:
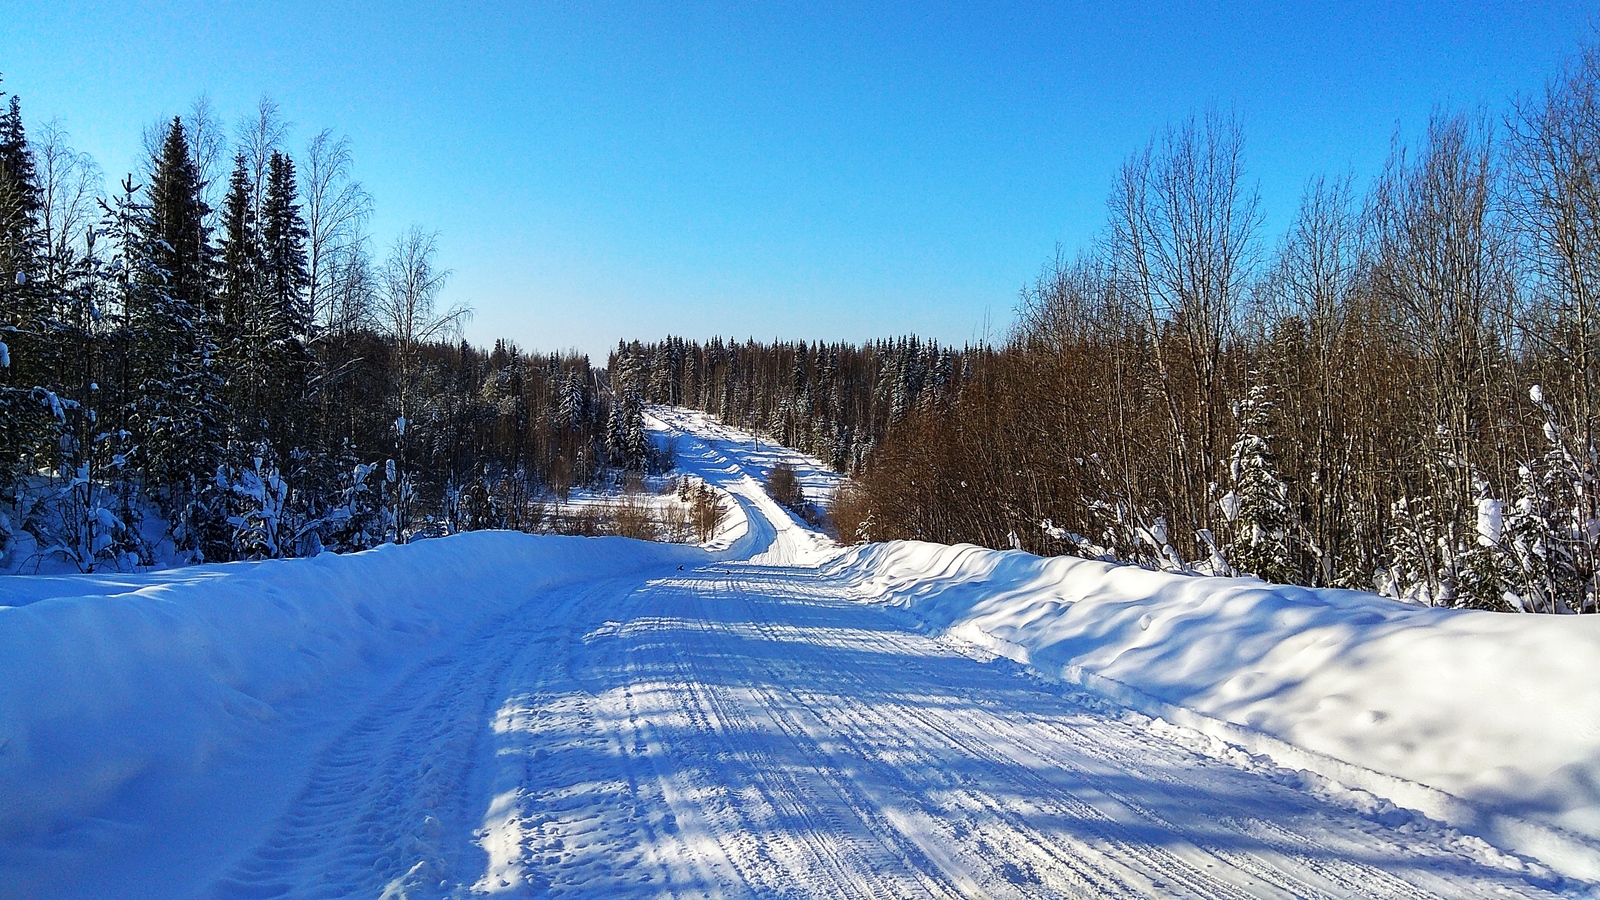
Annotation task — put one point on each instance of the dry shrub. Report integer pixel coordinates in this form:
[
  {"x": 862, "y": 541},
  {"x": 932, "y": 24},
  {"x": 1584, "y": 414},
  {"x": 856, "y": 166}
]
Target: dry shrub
[
  {"x": 585, "y": 521},
  {"x": 785, "y": 488},
  {"x": 675, "y": 524},
  {"x": 852, "y": 515},
  {"x": 635, "y": 517}
]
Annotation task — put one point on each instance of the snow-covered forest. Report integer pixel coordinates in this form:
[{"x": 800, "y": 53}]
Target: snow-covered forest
[
  {"x": 833, "y": 401},
  {"x": 1400, "y": 392},
  {"x": 212, "y": 361}
]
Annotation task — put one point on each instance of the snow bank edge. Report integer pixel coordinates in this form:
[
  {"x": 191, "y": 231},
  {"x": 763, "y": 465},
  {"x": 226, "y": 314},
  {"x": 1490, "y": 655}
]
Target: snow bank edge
[
  {"x": 100, "y": 691},
  {"x": 1073, "y": 621}
]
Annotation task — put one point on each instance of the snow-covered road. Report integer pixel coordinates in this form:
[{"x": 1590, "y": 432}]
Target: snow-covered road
[
  {"x": 741, "y": 724},
  {"x": 742, "y": 731}
]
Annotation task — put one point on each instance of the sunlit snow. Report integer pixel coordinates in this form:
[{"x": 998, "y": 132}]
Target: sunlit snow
[{"x": 771, "y": 715}]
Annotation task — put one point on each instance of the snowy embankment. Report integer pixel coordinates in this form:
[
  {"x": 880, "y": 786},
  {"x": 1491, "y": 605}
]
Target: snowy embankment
[
  {"x": 150, "y": 679},
  {"x": 1488, "y": 721}
]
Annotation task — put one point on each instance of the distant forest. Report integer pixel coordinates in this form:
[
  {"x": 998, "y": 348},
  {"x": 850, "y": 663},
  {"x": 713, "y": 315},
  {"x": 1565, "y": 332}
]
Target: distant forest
[{"x": 1398, "y": 394}]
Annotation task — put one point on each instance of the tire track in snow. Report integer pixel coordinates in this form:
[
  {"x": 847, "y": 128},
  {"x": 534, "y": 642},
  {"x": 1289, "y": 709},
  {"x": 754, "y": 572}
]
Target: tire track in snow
[
  {"x": 1269, "y": 868},
  {"x": 830, "y": 828},
  {"x": 1108, "y": 759},
  {"x": 1082, "y": 867},
  {"x": 390, "y": 797}
]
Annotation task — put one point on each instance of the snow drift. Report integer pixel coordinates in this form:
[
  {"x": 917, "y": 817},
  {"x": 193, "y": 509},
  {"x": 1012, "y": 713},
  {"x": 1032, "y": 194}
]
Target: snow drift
[
  {"x": 1488, "y": 721},
  {"x": 110, "y": 680}
]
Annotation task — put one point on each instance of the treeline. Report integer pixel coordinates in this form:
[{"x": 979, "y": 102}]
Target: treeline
[
  {"x": 1400, "y": 395},
  {"x": 832, "y": 401},
  {"x": 211, "y": 363}
]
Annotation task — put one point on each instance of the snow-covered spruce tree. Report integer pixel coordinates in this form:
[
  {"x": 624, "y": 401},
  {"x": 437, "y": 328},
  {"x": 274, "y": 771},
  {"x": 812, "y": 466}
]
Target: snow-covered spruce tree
[
  {"x": 359, "y": 519},
  {"x": 240, "y": 257},
  {"x": 615, "y": 439},
  {"x": 176, "y": 412},
  {"x": 176, "y": 232},
  {"x": 639, "y": 450},
  {"x": 572, "y": 410},
  {"x": 96, "y": 519},
  {"x": 86, "y": 513},
  {"x": 283, "y": 254},
  {"x": 1256, "y": 505},
  {"x": 1415, "y": 570},
  {"x": 27, "y": 428},
  {"x": 1484, "y": 573},
  {"x": 1553, "y": 525},
  {"x": 20, "y": 203},
  {"x": 263, "y": 312},
  {"x": 256, "y": 511},
  {"x": 277, "y": 337},
  {"x": 627, "y": 446},
  {"x": 839, "y": 448},
  {"x": 1441, "y": 553},
  {"x": 234, "y": 317},
  {"x": 235, "y": 308},
  {"x": 1531, "y": 544},
  {"x": 118, "y": 457}
]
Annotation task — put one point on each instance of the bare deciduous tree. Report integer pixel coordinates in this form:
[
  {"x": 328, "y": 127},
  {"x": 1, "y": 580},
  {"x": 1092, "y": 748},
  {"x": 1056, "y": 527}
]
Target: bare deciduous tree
[
  {"x": 70, "y": 186},
  {"x": 407, "y": 301},
  {"x": 208, "y": 144},
  {"x": 1554, "y": 151},
  {"x": 259, "y": 134},
  {"x": 1441, "y": 269},
  {"x": 336, "y": 207},
  {"x": 1183, "y": 242}
]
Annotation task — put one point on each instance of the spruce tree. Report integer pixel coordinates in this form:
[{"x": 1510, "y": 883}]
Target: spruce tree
[
  {"x": 26, "y": 427},
  {"x": 177, "y": 232},
  {"x": 283, "y": 252},
  {"x": 284, "y": 316},
  {"x": 176, "y": 411},
  {"x": 1257, "y": 506},
  {"x": 572, "y": 412},
  {"x": 241, "y": 255},
  {"x": 19, "y": 208}
]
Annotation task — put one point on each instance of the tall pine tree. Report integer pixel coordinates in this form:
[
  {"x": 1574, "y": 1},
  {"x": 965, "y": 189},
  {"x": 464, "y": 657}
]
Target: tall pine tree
[
  {"x": 283, "y": 251},
  {"x": 177, "y": 230},
  {"x": 176, "y": 413},
  {"x": 26, "y": 426},
  {"x": 241, "y": 254}
]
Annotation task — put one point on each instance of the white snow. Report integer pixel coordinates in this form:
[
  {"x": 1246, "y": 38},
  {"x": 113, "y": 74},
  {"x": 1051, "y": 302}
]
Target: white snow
[
  {"x": 1429, "y": 707},
  {"x": 764, "y": 715},
  {"x": 117, "y": 689},
  {"x": 1491, "y": 521}
]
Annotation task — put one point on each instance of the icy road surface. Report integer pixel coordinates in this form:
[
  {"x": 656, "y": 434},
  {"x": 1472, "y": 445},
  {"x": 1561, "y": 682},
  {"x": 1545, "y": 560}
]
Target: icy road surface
[{"x": 749, "y": 727}]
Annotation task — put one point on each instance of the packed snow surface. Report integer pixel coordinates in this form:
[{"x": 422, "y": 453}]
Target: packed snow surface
[{"x": 767, "y": 715}]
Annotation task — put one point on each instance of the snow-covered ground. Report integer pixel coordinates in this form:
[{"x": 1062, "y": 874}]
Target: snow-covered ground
[{"x": 765, "y": 715}]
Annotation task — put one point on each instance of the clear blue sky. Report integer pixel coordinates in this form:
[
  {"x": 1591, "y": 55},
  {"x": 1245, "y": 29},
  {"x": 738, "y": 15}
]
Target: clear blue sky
[{"x": 599, "y": 171}]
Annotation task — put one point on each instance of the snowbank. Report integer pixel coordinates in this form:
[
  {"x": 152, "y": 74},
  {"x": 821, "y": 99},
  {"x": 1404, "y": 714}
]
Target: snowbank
[
  {"x": 1426, "y": 707},
  {"x": 107, "y": 682}
]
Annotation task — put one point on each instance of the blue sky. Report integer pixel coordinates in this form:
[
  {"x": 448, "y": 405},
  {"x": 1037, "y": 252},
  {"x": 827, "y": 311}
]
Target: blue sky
[{"x": 844, "y": 171}]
